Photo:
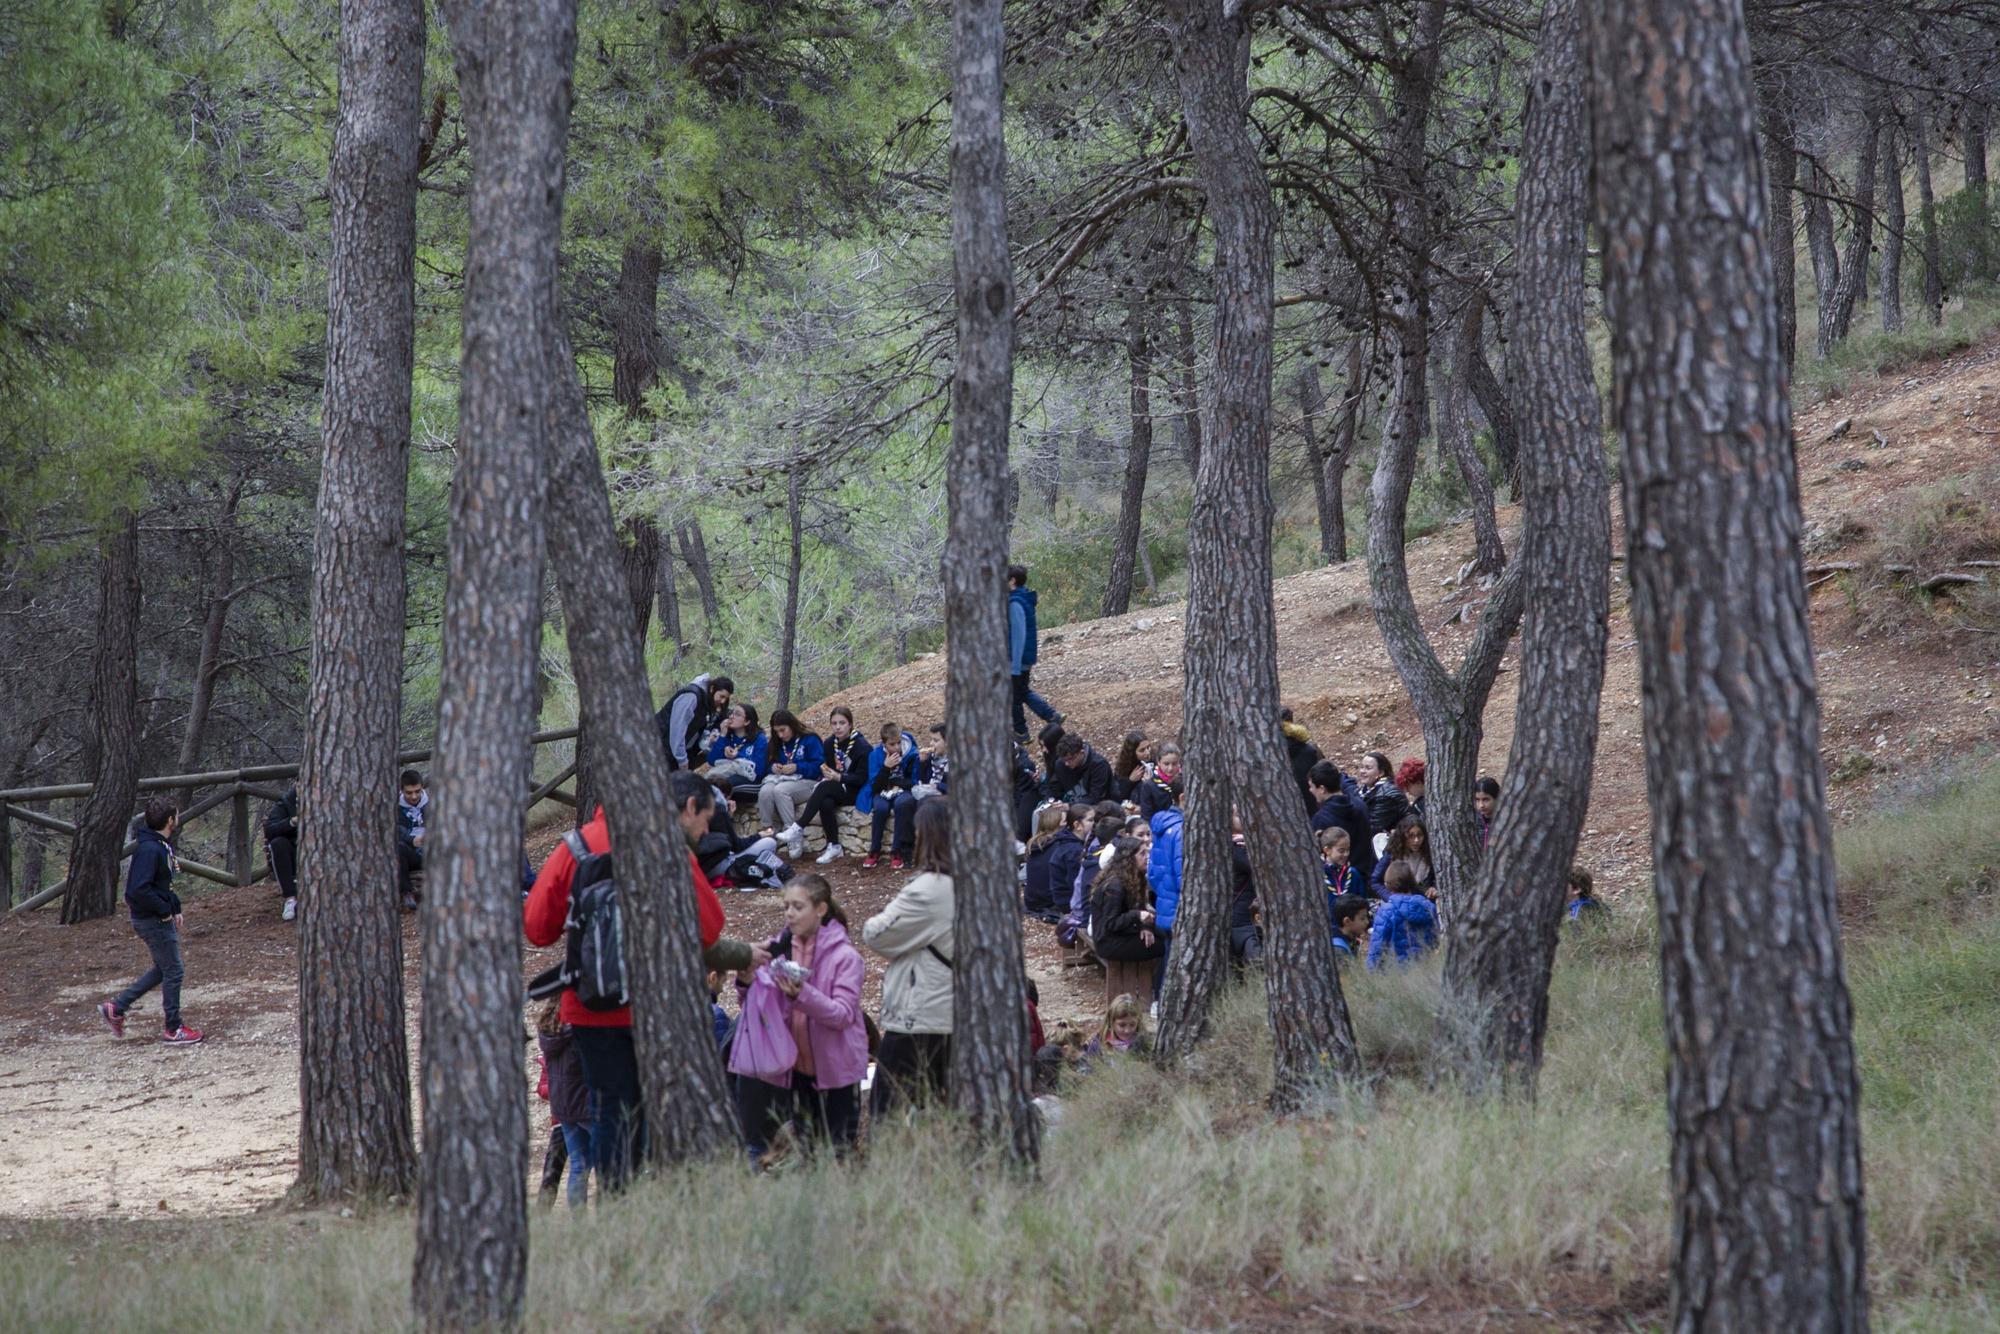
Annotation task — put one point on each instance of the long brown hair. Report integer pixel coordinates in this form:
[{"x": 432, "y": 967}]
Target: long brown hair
[
  {"x": 820, "y": 894},
  {"x": 1127, "y": 872},
  {"x": 1399, "y": 838},
  {"x": 1128, "y": 755},
  {"x": 933, "y": 852},
  {"x": 1052, "y": 821}
]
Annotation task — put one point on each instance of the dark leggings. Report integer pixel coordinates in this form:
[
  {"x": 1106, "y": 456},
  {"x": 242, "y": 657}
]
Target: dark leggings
[
  {"x": 824, "y": 805},
  {"x": 823, "y": 1116},
  {"x": 911, "y": 1070},
  {"x": 285, "y": 863}
]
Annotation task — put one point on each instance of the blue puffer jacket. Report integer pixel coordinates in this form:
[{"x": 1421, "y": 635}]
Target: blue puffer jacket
[
  {"x": 1023, "y": 648},
  {"x": 864, "y": 800},
  {"x": 1406, "y": 925},
  {"x": 1163, "y": 867}
]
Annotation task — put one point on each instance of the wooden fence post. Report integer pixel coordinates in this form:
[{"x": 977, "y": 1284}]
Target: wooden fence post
[{"x": 239, "y": 836}]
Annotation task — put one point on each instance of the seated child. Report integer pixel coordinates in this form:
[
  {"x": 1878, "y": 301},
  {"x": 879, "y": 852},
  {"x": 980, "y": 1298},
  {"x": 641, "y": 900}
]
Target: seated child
[
  {"x": 1053, "y": 860},
  {"x": 1352, "y": 915},
  {"x": 1162, "y": 787},
  {"x": 1407, "y": 923},
  {"x": 1341, "y": 878},
  {"x": 894, "y": 774},
  {"x": 1123, "y": 1032},
  {"x": 1584, "y": 905},
  {"x": 1485, "y": 800},
  {"x": 1062, "y": 1054},
  {"x": 741, "y": 752}
]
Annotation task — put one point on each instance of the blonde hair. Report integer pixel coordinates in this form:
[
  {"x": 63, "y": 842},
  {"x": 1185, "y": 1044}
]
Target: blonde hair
[
  {"x": 1051, "y": 821},
  {"x": 1334, "y": 837},
  {"x": 1125, "y": 1006}
]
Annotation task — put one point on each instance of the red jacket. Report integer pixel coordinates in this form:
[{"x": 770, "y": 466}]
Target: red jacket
[{"x": 547, "y": 908}]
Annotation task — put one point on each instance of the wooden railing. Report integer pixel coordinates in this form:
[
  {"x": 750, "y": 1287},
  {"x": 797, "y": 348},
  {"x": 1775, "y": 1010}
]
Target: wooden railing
[{"x": 234, "y": 788}]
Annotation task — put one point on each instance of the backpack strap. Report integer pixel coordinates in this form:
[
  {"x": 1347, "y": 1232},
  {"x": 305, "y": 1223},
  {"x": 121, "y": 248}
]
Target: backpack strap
[
  {"x": 578, "y": 849},
  {"x": 938, "y": 954}
]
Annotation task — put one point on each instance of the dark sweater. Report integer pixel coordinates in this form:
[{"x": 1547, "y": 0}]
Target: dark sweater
[{"x": 149, "y": 885}]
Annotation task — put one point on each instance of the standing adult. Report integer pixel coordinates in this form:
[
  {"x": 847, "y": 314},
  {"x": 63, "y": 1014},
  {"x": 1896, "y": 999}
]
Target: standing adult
[
  {"x": 604, "y": 1037},
  {"x": 914, "y": 933},
  {"x": 156, "y": 920},
  {"x": 1023, "y": 649},
  {"x": 1302, "y": 753},
  {"x": 413, "y": 806},
  {"x": 688, "y": 715}
]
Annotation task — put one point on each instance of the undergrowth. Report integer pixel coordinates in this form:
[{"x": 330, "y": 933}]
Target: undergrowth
[
  {"x": 1163, "y": 1197},
  {"x": 1974, "y": 317}
]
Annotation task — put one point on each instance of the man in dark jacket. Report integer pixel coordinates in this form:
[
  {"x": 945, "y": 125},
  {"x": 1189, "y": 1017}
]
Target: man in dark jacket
[
  {"x": 413, "y": 809},
  {"x": 1338, "y": 805},
  {"x": 693, "y": 709},
  {"x": 156, "y": 919},
  {"x": 1302, "y": 753},
  {"x": 1079, "y": 775},
  {"x": 281, "y": 839},
  {"x": 1023, "y": 650}
]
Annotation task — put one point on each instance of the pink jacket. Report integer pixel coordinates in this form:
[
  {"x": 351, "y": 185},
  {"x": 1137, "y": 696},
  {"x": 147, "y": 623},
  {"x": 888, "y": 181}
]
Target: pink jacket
[{"x": 831, "y": 999}]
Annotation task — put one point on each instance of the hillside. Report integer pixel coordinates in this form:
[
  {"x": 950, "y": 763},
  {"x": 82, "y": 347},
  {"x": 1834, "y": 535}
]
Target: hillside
[{"x": 102, "y": 1128}]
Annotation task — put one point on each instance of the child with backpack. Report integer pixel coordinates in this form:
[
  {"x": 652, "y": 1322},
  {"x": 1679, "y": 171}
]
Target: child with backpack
[
  {"x": 1406, "y": 925},
  {"x": 569, "y": 1097}
]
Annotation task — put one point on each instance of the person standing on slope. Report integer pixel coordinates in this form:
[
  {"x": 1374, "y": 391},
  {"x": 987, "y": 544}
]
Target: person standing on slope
[
  {"x": 1022, "y": 651},
  {"x": 683, "y": 720}
]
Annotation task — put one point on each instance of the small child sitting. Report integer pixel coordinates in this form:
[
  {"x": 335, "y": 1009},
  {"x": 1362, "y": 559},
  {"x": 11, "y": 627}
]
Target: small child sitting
[
  {"x": 1341, "y": 878},
  {"x": 1407, "y": 923},
  {"x": 1352, "y": 915},
  {"x": 1584, "y": 905},
  {"x": 1123, "y": 1032}
]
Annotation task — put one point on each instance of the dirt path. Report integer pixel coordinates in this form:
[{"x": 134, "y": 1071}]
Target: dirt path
[{"x": 92, "y": 1127}]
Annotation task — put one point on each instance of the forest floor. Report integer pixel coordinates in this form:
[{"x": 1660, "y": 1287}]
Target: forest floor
[{"x": 92, "y": 1128}]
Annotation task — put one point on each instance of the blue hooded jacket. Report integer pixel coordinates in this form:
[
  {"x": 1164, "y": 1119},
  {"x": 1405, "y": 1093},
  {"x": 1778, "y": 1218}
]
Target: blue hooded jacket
[
  {"x": 1022, "y": 636},
  {"x": 805, "y": 751},
  {"x": 757, "y": 751},
  {"x": 1406, "y": 925},
  {"x": 1163, "y": 867},
  {"x": 149, "y": 884},
  {"x": 864, "y": 800}
]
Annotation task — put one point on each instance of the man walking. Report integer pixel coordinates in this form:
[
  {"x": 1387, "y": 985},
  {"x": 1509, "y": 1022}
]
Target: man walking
[
  {"x": 156, "y": 919},
  {"x": 1022, "y": 651}
]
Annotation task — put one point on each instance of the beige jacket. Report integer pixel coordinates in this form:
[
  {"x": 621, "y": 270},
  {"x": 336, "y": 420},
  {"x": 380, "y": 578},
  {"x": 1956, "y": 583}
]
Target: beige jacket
[{"x": 916, "y": 988}]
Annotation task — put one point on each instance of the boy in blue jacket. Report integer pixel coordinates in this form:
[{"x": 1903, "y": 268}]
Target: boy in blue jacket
[
  {"x": 1406, "y": 925},
  {"x": 1023, "y": 650},
  {"x": 156, "y": 919}
]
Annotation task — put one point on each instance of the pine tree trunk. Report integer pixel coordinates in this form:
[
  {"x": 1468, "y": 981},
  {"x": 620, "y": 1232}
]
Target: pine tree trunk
[
  {"x": 1819, "y": 239},
  {"x": 794, "y": 569},
  {"x": 1762, "y": 1088},
  {"x": 111, "y": 746},
  {"x": 1920, "y": 152},
  {"x": 354, "y": 1063},
  {"x": 1837, "y": 317},
  {"x": 1490, "y": 557},
  {"x": 670, "y": 602},
  {"x": 990, "y": 1084},
  {"x": 1890, "y": 280},
  {"x": 1189, "y": 405},
  {"x": 1500, "y": 951},
  {"x": 215, "y": 624},
  {"x": 694, "y": 553},
  {"x": 1972, "y": 137},
  {"x": 1489, "y": 394},
  {"x": 1326, "y": 482},
  {"x": 686, "y": 1096},
  {"x": 1781, "y": 160},
  {"x": 1138, "y": 454},
  {"x": 1231, "y": 691},
  {"x": 513, "y": 65}
]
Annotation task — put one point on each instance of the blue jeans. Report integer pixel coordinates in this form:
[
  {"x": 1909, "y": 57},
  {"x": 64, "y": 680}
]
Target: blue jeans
[
  {"x": 618, "y": 1134},
  {"x": 576, "y": 1139},
  {"x": 902, "y": 807},
  {"x": 164, "y": 943},
  {"x": 1025, "y": 697}
]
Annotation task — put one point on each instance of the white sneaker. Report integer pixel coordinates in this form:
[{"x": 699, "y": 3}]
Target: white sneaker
[
  {"x": 791, "y": 833},
  {"x": 291, "y": 909},
  {"x": 834, "y": 852}
]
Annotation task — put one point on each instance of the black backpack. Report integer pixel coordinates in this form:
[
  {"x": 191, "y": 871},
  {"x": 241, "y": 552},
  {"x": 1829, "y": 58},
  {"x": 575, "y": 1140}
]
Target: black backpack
[{"x": 594, "y": 932}]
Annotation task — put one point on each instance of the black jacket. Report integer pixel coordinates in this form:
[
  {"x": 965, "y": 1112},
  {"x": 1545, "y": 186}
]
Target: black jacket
[
  {"x": 1303, "y": 755},
  {"x": 1088, "y": 783},
  {"x": 847, "y": 761},
  {"x": 282, "y": 820},
  {"x": 149, "y": 885},
  {"x": 1153, "y": 797},
  {"x": 1243, "y": 895},
  {"x": 1115, "y": 924},
  {"x": 1052, "y": 874},
  {"x": 1386, "y": 805}
]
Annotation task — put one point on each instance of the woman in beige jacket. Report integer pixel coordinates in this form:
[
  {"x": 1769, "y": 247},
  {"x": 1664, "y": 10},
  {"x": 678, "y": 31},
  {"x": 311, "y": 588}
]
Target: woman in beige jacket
[{"x": 914, "y": 934}]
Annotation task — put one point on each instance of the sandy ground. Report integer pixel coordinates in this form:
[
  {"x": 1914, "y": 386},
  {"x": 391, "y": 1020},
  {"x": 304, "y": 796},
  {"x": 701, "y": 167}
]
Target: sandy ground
[{"x": 90, "y": 1127}]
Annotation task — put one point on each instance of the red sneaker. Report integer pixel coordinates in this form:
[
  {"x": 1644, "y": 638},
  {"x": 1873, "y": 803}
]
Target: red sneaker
[
  {"x": 183, "y": 1036},
  {"x": 870, "y": 862},
  {"x": 112, "y": 1019},
  {"x": 895, "y": 863}
]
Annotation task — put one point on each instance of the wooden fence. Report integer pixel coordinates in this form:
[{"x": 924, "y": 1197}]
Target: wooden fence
[{"x": 233, "y": 788}]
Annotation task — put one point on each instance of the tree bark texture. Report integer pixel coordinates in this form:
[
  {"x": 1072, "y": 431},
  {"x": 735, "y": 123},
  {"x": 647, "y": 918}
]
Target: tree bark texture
[
  {"x": 1762, "y": 1088},
  {"x": 1500, "y": 951},
  {"x": 794, "y": 570},
  {"x": 686, "y": 1095},
  {"x": 111, "y": 747},
  {"x": 670, "y": 602},
  {"x": 1920, "y": 152},
  {"x": 1781, "y": 161},
  {"x": 1837, "y": 317},
  {"x": 1189, "y": 404},
  {"x": 1454, "y": 428},
  {"x": 354, "y": 1064},
  {"x": 1449, "y": 707},
  {"x": 990, "y": 1084},
  {"x": 1332, "y": 523},
  {"x": 1138, "y": 455},
  {"x": 1972, "y": 137},
  {"x": 694, "y": 553},
  {"x": 1231, "y": 692},
  {"x": 1489, "y": 393},
  {"x": 513, "y": 64},
  {"x": 1820, "y": 241},
  {"x": 1889, "y": 290},
  {"x": 215, "y": 624}
]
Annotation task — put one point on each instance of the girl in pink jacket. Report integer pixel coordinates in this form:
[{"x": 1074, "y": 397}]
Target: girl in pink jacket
[{"x": 822, "y": 991}]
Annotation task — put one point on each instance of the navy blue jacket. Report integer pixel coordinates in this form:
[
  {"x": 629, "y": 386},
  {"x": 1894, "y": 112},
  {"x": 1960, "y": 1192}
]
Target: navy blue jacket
[
  {"x": 1023, "y": 646},
  {"x": 1346, "y": 810},
  {"x": 1052, "y": 870},
  {"x": 149, "y": 885}
]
